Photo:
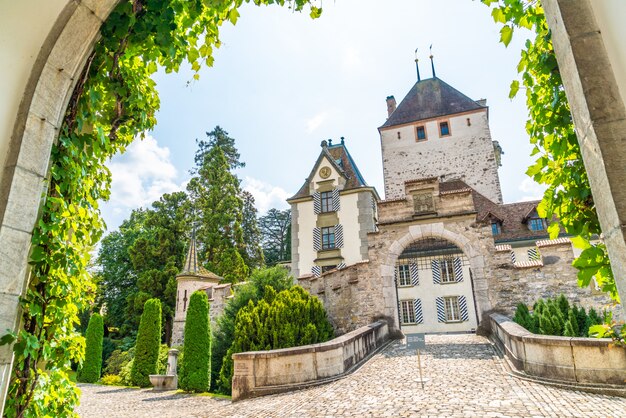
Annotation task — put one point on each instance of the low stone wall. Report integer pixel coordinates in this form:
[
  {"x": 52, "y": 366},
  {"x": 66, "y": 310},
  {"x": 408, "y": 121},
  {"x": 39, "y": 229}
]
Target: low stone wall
[
  {"x": 579, "y": 360},
  {"x": 259, "y": 373}
]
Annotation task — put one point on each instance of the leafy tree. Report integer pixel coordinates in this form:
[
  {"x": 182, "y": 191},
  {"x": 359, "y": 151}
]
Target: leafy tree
[
  {"x": 251, "y": 250},
  {"x": 90, "y": 371},
  {"x": 276, "y": 277},
  {"x": 275, "y": 229},
  {"x": 550, "y": 126},
  {"x": 217, "y": 198},
  {"x": 195, "y": 366},
  {"x": 114, "y": 101},
  {"x": 148, "y": 343},
  {"x": 287, "y": 319}
]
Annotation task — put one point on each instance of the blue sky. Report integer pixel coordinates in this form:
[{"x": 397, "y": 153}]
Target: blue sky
[{"x": 283, "y": 82}]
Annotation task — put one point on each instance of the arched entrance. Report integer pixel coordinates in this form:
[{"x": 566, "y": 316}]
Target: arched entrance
[{"x": 434, "y": 288}]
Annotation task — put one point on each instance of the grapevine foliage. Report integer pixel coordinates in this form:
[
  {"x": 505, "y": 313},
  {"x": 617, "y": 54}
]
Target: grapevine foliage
[
  {"x": 559, "y": 164},
  {"x": 114, "y": 102}
]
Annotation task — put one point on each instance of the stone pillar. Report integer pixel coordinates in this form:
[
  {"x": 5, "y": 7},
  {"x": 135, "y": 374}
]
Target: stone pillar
[
  {"x": 172, "y": 362},
  {"x": 599, "y": 117}
]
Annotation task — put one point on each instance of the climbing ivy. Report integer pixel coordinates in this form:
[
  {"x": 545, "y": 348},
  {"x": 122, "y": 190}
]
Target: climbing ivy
[
  {"x": 114, "y": 102},
  {"x": 559, "y": 164}
]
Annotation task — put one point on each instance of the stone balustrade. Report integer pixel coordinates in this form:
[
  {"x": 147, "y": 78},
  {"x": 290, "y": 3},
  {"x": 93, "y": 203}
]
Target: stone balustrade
[
  {"x": 569, "y": 359},
  {"x": 259, "y": 373}
]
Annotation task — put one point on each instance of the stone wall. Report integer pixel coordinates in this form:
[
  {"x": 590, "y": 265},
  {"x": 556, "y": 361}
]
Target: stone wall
[
  {"x": 260, "y": 373},
  {"x": 351, "y": 295},
  {"x": 579, "y": 360},
  {"x": 526, "y": 282}
]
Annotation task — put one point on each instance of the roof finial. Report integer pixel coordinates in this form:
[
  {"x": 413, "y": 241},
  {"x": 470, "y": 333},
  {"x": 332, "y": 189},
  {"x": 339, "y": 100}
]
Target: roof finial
[
  {"x": 432, "y": 63},
  {"x": 417, "y": 67},
  {"x": 342, "y": 140}
]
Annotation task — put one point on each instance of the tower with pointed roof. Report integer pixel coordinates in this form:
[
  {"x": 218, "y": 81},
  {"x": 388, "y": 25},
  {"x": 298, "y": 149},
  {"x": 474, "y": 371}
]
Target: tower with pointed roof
[
  {"x": 438, "y": 132},
  {"x": 331, "y": 214},
  {"x": 193, "y": 277}
]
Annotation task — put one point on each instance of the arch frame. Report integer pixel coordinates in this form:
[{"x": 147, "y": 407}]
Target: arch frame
[{"x": 25, "y": 171}]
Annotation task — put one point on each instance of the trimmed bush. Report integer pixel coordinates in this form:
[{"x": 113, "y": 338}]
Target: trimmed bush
[
  {"x": 195, "y": 365},
  {"x": 288, "y": 319},
  {"x": 90, "y": 372},
  {"x": 148, "y": 343},
  {"x": 112, "y": 380}
]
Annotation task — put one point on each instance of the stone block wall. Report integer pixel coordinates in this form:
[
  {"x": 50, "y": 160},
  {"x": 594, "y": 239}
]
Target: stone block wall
[
  {"x": 551, "y": 276},
  {"x": 351, "y": 296}
]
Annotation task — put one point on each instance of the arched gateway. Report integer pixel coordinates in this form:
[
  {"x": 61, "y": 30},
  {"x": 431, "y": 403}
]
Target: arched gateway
[{"x": 434, "y": 288}]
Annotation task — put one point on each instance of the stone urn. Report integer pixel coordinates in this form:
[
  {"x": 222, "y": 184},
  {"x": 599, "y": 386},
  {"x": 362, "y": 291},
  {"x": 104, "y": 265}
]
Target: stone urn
[{"x": 169, "y": 380}]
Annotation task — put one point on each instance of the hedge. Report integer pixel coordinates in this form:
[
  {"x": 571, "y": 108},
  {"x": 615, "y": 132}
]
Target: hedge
[
  {"x": 90, "y": 372},
  {"x": 148, "y": 343},
  {"x": 195, "y": 373}
]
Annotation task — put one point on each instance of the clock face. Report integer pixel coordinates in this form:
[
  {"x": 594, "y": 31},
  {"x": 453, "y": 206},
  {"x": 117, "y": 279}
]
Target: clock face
[{"x": 325, "y": 172}]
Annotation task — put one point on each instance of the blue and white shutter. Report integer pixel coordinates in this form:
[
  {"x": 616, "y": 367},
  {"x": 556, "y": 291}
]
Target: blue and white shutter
[
  {"x": 417, "y": 308},
  {"x": 434, "y": 264},
  {"x": 533, "y": 254},
  {"x": 415, "y": 279},
  {"x": 441, "y": 310},
  {"x": 463, "y": 308},
  {"x": 458, "y": 269},
  {"x": 513, "y": 260},
  {"x": 336, "y": 200},
  {"x": 339, "y": 236},
  {"x": 317, "y": 203},
  {"x": 341, "y": 266},
  {"x": 317, "y": 239},
  {"x": 395, "y": 276},
  {"x": 316, "y": 270}
]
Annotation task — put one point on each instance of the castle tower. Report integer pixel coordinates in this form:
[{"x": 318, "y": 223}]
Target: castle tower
[
  {"x": 437, "y": 131},
  {"x": 193, "y": 277}
]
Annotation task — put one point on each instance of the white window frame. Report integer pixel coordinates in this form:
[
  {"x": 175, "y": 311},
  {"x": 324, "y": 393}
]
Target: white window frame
[
  {"x": 451, "y": 305},
  {"x": 407, "y": 312},
  {"x": 446, "y": 266},
  {"x": 404, "y": 275}
]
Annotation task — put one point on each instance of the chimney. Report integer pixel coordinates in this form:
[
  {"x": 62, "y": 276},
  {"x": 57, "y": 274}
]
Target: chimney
[{"x": 391, "y": 105}]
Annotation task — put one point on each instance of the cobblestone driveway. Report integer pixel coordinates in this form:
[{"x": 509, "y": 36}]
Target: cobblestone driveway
[{"x": 466, "y": 379}]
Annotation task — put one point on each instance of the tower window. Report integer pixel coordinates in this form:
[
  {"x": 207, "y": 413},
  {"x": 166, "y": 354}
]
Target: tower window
[
  {"x": 452, "y": 309},
  {"x": 328, "y": 238},
  {"x": 421, "y": 133},
  {"x": 399, "y": 135},
  {"x": 326, "y": 198},
  {"x": 444, "y": 129},
  {"x": 496, "y": 228}
]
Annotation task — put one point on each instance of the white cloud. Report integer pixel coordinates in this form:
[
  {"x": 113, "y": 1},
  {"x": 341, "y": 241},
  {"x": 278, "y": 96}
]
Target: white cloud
[
  {"x": 531, "y": 190},
  {"x": 141, "y": 175},
  {"x": 316, "y": 121},
  {"x": 351, "y": 60},
  {"x": 265, "y": 195}
]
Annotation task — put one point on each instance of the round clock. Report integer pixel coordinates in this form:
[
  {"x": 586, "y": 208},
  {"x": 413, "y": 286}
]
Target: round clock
[{"x": 325, "y": 172}]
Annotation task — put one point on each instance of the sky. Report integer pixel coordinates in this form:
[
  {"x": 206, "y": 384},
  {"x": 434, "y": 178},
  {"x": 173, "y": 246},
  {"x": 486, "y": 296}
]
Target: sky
[{"x": 283, "y": 82}]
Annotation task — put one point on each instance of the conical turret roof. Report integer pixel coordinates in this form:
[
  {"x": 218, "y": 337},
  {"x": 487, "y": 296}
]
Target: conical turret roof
[{"x": 192, "y": 267}]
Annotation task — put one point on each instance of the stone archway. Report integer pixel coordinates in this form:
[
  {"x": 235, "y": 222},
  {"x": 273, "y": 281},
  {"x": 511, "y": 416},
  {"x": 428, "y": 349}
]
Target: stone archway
[
  {"x": 51, "y": 82},
  {"x": 439, "y": 230}
]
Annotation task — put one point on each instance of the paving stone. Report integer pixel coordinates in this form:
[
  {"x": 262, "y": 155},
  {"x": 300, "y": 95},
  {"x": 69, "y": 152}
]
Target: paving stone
[{"x": 467, "y": 379}]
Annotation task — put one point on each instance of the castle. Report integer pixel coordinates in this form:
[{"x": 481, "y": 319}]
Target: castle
[
  {"x": 439, "y": 252},
  {"x": 442, "y": 249}
]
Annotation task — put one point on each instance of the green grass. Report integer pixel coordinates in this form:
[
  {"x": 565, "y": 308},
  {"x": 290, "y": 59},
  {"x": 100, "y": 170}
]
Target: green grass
[{"x": 208, "y": 394}]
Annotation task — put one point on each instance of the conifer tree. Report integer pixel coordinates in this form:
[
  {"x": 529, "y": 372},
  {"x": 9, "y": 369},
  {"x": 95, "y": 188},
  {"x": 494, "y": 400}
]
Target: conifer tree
[
  {"x": 217, "y": 198},
  {"x": 251, "y": 250},
  {"x": 196, "y": 361},
  {"x": 92, "y": 366},
  {"x": 148, "y": 344},
  {"x": 573, "y": 320}
]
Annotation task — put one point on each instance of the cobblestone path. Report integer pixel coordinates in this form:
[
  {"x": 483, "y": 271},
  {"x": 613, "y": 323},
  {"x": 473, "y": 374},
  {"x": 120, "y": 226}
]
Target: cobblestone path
[{"x": 466, "y": 380}]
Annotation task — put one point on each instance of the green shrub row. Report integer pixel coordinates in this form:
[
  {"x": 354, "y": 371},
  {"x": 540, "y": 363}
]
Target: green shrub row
[{"x": 557, "y": 317}]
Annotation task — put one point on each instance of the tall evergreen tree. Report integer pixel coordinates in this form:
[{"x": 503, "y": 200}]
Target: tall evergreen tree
[
  {"x": 216, "y": 194},
  {"x": 218, "y": 138},
  {"x": 148, "y": 344},
  {"x": 251, "y": 251},
  {"x": 196, "y": 361},
  {"x": 275, "y": 229},
  {"x": 92, "y": 366}
]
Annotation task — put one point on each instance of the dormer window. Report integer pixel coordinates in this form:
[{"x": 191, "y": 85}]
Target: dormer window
[
  {"x": 496, "y": 228},
  {"x": 421, "y": 133},
  {"x": 444, "y": 128},
  {"x": 537, "y": 224}
]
